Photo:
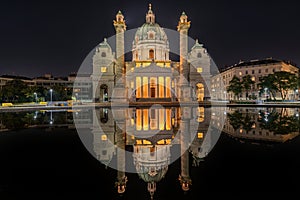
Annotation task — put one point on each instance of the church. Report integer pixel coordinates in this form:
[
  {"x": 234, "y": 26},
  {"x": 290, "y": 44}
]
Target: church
[{"x": 151, "y": 75}]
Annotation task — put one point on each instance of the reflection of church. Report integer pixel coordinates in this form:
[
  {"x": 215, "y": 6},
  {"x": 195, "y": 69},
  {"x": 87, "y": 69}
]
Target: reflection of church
[
  {"x": 151, "y": 75},
  {"x": 151, "y": 133}
]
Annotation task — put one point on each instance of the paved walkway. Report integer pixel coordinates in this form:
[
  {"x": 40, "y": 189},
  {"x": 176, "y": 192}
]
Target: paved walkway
[{"x": 143, "y": 104}]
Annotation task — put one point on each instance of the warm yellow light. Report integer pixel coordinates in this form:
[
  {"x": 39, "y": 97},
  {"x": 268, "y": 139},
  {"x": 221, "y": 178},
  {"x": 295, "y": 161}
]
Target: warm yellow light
[
  {"x": 103, "y": 137},
  {"x": 241, "y": 130},
  {"x": 132, "y": 122},
  {"x": 168, "y": 87},
  {"x": 161, "y": 141},
  {"x": 199, "y": 69},
  {"x": 161, "y": 87},
  {"x": 138, "y": 119},
  {"x": 138, "y": 87},
  {"x": 132, "y": 69},
  {"x": 200, "y": 135},
  {"x": 103, "y": 69},
  {"x": 168, "y": 141},
  {"x": 146, "y": 142},
  {"x": 138, "y": 142},
  {"x": 145, "y": 119},
  {"x": 240, "y": 73},
  {"x": 145, "y": 87},
  {"x": 161, "y": 119},
  {"x": 132, "y": 84},
  {"x": 253, "y": 78},
  {"x": 168, "y": 119}
]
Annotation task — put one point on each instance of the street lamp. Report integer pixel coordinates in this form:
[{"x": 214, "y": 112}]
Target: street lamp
[
  {"x": 35, "y": 95},
  {"x": 51, "y": 90},
  {"x": 266, "y": 93}
]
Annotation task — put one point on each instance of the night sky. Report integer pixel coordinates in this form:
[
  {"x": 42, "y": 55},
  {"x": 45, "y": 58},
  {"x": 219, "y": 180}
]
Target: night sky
[{"x": 55, "y": 36}]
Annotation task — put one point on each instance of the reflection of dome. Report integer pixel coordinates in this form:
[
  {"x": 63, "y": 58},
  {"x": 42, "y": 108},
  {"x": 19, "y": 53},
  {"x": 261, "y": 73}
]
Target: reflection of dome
[
  {"x": 151, "y": 174},
  {"x": 151, "y": 163}
]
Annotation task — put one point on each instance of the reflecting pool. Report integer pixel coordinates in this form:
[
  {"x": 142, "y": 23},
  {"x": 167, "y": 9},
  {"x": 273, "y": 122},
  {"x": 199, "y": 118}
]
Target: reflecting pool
[{"x": 150, "y": 152}]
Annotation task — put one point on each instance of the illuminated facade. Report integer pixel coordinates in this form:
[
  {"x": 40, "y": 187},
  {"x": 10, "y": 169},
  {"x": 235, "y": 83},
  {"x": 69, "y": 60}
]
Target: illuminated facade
[
  {"x": 151, "y": 75},
  {"x": 256, "y": 69}
]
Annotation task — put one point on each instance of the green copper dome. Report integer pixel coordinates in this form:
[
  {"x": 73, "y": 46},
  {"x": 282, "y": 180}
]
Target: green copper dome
[{"x": 150, "y": 31}]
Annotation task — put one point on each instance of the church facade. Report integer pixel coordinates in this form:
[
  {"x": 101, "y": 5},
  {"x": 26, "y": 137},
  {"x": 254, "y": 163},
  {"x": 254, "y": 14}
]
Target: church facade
[{"x": 150, "y": 75}]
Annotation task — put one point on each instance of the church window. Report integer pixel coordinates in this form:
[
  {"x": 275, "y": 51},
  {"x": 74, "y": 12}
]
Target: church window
[
  {"x": 103, "y": 69},
  {"x": 103, "y": 54},
  {"x": 151, "y": 36},
  {"x": 200, "y": 135},
  {"x": 199, "y": 69},
  {"x": 103, "y": 137},
  {"x": 151, "y": 54},
  {"x": 199, "y": 55}
]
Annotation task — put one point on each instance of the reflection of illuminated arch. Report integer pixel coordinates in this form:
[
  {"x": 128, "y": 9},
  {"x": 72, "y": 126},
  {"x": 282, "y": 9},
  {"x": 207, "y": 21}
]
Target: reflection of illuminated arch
[
  {"x": 200, "y": 91},
  {"x": 104, "y": 93},
  {"x": 200, "y": 114},
  {"x": 104, "y": 115}
]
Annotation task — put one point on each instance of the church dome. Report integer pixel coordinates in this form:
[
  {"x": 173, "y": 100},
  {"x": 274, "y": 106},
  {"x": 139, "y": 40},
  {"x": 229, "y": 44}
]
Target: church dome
[
  {"x": 150, "y": 40},
  {"x": 150, "y": 32}
]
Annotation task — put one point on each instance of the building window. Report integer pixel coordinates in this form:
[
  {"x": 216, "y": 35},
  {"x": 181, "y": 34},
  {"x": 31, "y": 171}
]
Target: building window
[
  {"x": 103, "y": 137},
  {"x": 199, "y": 69},
  {"x": 259, "y": 71},
  {"x": 199, "y": 55},
  {"x": 253, "y": 71},
  {"x": 151, "y": 54},
  {"x": 103, "y": 69},
  {"x": 273, "y": 70},
  {"x": 200, "y": 135},
  {"x": 240, "y": 73},
  {"x": 103, "y": 54},
  {"x": 132, "y": 84},
  {"x": 246, "y": 71},
  {"x": 151, "y": 36},
  {"x": 266, "y": 70}
]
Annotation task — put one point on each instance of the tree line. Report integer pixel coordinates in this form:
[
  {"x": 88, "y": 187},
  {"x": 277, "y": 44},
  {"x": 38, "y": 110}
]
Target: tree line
[
  {"x": 279, "y": 82},
  {"x": 17, "y": 91}
]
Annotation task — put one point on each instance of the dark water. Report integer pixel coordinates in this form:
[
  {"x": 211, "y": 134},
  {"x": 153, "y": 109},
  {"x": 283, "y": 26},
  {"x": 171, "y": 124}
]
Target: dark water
[{"x": 52, "y": 163}]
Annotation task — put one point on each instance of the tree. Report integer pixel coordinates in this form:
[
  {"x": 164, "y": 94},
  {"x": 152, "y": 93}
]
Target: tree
[
  {"x": 268, "y": 82},
  {"x": 247, "y": 83},
  {"x": 14, "y": 91},
  {"x": 284, "y": 82},
  {"x": 235, "y": 86}
]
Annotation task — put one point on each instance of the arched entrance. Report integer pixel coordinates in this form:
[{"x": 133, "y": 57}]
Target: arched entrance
[
  {"x": 200, "y": 91},
  {"x": 104, "y": 93}
]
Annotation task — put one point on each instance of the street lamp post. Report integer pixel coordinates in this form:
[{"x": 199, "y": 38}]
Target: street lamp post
[
  {"x": 51, "y": 90},
  {"x": 266, "y": 93},
  {"x": 35, "y": 95}
]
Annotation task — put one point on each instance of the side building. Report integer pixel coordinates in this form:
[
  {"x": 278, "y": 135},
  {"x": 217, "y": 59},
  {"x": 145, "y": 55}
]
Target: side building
[{"x": 256, "y": 69}]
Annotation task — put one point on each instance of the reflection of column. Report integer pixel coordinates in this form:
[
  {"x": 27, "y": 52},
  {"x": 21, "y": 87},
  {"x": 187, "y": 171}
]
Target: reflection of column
[
  {"x": 121, "y": 167},
  {"x": 184, "y": 177}
]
